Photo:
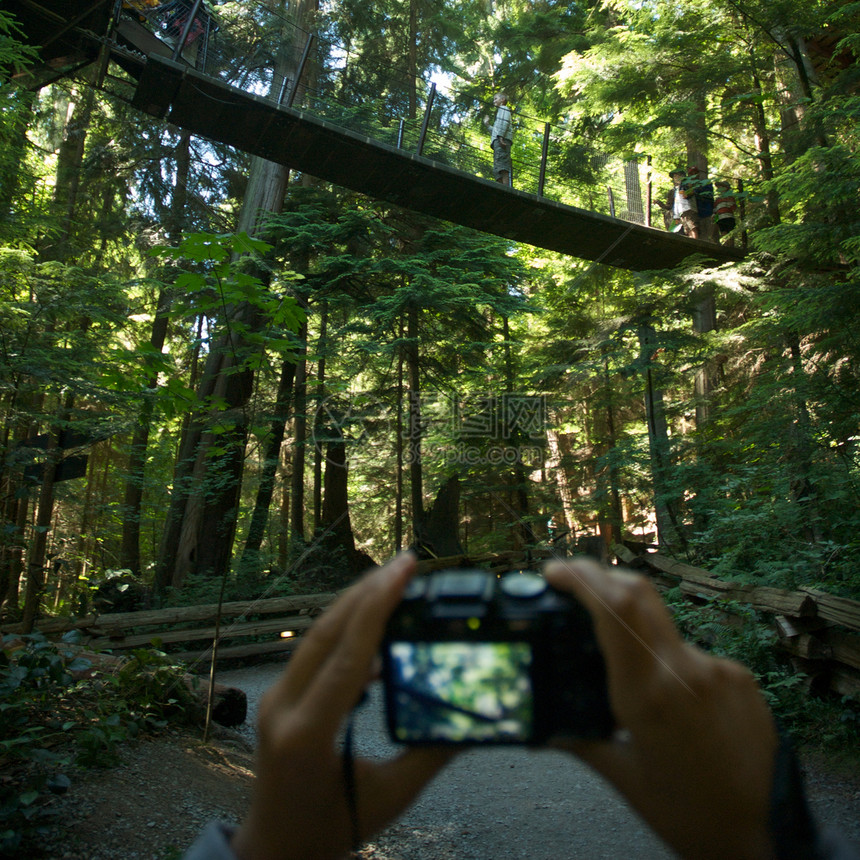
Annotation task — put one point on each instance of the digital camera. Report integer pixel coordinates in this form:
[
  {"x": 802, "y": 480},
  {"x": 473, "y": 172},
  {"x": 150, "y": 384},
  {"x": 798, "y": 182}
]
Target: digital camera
[{"x": 472, "y": 658}]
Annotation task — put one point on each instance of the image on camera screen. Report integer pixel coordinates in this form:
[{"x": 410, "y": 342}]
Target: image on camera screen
[{"x": 462, "y": 692}]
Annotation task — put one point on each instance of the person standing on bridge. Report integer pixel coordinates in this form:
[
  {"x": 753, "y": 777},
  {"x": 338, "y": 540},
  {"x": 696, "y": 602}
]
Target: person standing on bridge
[
  {"x": 501, "y": 138},
  {"x": 681, "y": 205}
]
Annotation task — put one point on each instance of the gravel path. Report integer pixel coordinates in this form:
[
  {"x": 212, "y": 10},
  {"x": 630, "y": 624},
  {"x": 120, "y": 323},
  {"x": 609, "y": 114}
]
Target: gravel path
[{"x": 514, "y": 803}]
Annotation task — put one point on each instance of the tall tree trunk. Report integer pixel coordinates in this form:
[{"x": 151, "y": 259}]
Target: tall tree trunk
[
  {"x": 669, "y": 533},
  {"x": 300, "y": 427},
  {"x": 704, "y": 321},
  {"x": 320, "y": 397},
  {"x": 803, "y": 485},
  {"x": 513, "y": 438},
  {"x": 208, "y": 511},
  {"x": 398, "y": 443},
  {"x": 70, "y": 161},
  {"x": 565, "y": 493},
  {"x": 795, "y": 79},
  {"x": 335, "y": 522},
  {"x": 412, "y": 64},
  {"x": 212, "y": 508},
  {"x": 414, "y": 449},
  {"x": 284, "y": 511},
  {"x": 266, "y": 488},
  {"x": 135, "y": 474},
  {"x": 615, "y": 516},
  {"x": 15, "y": 504},
  {"x": 762, "y": 139},
  {"x": 37, "y": 558}
]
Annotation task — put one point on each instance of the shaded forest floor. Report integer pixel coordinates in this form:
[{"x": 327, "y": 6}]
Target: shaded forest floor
[{"x": 154, "y": 803}]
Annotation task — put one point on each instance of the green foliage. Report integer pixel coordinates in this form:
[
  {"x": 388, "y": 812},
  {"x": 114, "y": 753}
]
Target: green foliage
[
  {"x": 57, "y": 713},
  {"x": 222, "y": 285},
  {"x": 738, "y": 632}
]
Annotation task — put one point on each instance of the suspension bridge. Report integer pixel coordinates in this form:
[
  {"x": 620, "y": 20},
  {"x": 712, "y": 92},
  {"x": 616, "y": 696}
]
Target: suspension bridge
[{"x": 181, "y": 71}]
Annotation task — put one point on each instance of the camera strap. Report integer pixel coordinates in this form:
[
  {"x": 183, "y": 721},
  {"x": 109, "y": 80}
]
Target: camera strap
[{"x": 348, "y": 765}]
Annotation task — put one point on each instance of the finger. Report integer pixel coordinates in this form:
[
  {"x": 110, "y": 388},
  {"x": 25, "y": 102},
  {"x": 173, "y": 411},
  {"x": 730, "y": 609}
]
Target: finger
[
  {"x": 322, "y": 639},
  {"x": 335, "y": 688},
  {"x": 631, "y": 622},
  {"x": 386, "y": 789}
]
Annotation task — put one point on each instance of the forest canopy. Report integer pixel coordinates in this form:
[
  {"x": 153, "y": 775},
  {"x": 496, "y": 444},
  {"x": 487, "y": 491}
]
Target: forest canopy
[{"x": 214, "y": 367}]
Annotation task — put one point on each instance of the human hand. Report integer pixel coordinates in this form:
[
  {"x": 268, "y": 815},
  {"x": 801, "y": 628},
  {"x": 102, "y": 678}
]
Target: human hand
[
  {"x": 299, "y": 807},
  {"x": 696, "y": 745}
]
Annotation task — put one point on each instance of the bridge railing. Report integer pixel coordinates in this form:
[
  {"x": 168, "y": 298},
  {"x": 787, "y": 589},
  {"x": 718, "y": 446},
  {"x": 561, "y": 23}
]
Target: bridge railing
[{"x": 262, "y": 52}]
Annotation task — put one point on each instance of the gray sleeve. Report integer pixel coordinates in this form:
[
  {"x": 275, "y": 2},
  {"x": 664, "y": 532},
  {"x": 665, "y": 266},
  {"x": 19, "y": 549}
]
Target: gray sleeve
[
  {"x": 832, "y": 845},
  {"x": 213, "y": 843}
]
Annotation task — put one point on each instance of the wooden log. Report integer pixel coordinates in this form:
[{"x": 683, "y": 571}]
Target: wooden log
[
  {"x": 698, "y": 582},
  {"x": 229, "y": 704},
  {"x": 788, "y": 627},
  {"x": 845, "y": 647},
  {"x": 783, "y": 602},
  {"x": 807, "y": 646},
  {"x": 228, "y": 631},
  {"x": 846, "y": 682},
  {"x": 676, "y": 568},
  {"x": 100, "y": 624},
  {"x": 626, "y": 555},
  {"x": 199, "y": 660},
  {"x": 839, "y": 610},
  {"x": 710, "y": 587}
]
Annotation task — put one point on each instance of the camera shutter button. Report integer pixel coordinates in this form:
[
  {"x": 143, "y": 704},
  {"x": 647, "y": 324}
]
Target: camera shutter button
[{"x": 524, "y": 585}]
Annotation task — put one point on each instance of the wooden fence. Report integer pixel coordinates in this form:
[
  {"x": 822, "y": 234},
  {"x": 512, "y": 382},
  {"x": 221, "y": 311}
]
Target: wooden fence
[
  {"x": 819, "y": 632},
  {"x": 243, "y": 629}
]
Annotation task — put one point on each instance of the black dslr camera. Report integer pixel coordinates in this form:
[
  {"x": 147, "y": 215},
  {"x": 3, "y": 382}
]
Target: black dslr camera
[{"x": 471, "y": 658}]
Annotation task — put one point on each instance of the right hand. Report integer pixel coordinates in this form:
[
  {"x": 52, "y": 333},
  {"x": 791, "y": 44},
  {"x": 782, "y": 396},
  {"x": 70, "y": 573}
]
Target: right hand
[{"x": 696, "y": 745}]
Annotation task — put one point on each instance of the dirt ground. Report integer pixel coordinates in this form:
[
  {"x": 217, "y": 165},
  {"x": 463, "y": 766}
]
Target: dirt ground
[{"x": 498, "y": 804}]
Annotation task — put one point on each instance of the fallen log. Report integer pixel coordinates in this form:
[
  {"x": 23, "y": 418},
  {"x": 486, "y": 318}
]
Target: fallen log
[
  {"x": 229, "y": 704},
  {"x": 104, "y": 625},
  {"x": 231, "y": 629},
  {"x": 845, "y": 681},
  {"x": 202, "y": 658},
  {"x": 845, "y": 646},
  {"x": 839, "y": 610},
  {"x": 807, "y": 646}
]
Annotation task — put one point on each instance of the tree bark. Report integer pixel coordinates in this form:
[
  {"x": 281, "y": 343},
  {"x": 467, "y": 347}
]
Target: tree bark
[
  {"x": 266, "y": 488},
  {"x": 669, "y": 534},
  {"x": 36, "y": 558},
  {"x": 300, "y": 424},
  {"x": 70, "y": 161},
  {"x": 135, "y": 475},
  {"x": 414, "y": 444},
  {"x": 320, "y": 396}
]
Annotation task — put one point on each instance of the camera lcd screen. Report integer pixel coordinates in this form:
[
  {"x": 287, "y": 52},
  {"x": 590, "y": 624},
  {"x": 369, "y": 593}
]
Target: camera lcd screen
[{"x": 460, "y": 692}]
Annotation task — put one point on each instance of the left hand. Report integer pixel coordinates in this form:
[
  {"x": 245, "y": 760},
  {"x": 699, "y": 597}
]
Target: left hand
[{"x": 299, "y": 807}]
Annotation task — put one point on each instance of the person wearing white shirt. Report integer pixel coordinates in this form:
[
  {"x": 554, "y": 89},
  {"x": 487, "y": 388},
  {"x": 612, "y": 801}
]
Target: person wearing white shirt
[{"x": 501, "y": 139}]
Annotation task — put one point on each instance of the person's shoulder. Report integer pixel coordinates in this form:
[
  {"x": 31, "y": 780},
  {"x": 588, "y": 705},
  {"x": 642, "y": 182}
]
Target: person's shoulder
[{"x": 213, "y": 843}]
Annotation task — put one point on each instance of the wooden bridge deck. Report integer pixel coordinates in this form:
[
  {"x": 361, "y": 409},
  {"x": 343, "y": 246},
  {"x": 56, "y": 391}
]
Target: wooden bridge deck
[
  {"x": 65, "y": 31},
  {"x": 305, "y": 142}
]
